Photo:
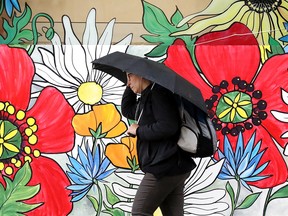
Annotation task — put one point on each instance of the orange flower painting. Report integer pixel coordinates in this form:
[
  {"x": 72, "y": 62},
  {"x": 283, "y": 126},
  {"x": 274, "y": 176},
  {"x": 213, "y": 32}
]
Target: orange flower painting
[
  {"x": 124, "y": 154},
  {"x": 105, "y": 116}
]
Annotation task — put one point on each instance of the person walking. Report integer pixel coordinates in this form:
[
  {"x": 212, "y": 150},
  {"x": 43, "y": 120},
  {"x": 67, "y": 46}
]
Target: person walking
[{"x": 165, "y": 165}]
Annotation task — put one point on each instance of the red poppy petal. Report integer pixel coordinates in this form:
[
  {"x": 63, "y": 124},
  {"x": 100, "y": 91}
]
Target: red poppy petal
[
  {"x": 236, "y": 34},
  {"x": 226, "y": 54},
  {"x": 276, "y": 169},
  {"x": 2, "y": 181},
  {"x": 179, "y": 60},
  {"x": 271, "y": 80},
  {"x": 53, "y": 116},
  {"x": 16, "y": 71},
  {"x": 53, "y": 192}
]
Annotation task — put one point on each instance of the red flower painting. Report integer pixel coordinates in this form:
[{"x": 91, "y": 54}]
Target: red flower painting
[
  {"x": 29, "y": 130},
  {"x": 240, "y": 92}
]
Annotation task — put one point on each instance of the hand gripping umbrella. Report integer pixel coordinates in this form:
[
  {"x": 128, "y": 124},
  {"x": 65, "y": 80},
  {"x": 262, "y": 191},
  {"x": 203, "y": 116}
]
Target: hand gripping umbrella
[{"x": 118, "y": 63}]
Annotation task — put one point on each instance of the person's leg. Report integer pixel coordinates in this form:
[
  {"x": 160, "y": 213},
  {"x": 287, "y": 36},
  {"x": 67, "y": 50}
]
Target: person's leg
[
  {"x": 152, "y": 192},
  {"x": 174, "y": 202},
  {"x": 146, "y": 200}
]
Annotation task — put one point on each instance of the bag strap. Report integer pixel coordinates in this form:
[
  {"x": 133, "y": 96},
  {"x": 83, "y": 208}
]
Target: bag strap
[{"x": 182, "y": 108}]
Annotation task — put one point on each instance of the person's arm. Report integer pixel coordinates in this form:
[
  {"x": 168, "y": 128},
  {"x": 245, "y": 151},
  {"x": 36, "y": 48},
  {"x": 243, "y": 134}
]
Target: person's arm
[
  {"x": 128, "y": 104},
  {"x": 166, "y": 115}
]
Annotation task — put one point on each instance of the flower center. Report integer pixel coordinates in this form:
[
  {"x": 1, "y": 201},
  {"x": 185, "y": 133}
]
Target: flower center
[
  {"x": 234, "y": 107},
  {"x": 261, "y": 6},
  {"x": 10, "y": 140},
  {"x": 17, "y": 138},
  {"x": 238, "y": 110},
  {"x": 90, "y": 93}
]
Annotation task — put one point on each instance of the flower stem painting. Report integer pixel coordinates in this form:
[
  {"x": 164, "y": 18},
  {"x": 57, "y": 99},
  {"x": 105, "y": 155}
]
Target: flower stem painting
[{"x": 64, "y": 149}]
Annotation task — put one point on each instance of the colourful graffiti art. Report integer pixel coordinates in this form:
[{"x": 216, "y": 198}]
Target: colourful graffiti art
[{"x": 63, "y": 143}]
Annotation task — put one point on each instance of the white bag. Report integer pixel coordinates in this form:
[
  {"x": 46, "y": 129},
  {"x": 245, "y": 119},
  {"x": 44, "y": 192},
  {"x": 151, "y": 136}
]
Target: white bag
[
  {"x": 189, "y": 136},
  {"x": 198, "y": 135}
]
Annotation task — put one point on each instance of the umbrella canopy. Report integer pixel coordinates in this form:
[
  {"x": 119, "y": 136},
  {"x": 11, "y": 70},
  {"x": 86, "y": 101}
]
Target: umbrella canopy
[{"x": 118, "y": 63}]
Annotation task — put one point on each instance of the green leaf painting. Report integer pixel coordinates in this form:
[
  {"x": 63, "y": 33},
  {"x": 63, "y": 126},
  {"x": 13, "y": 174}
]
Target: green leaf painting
[
  {"x": 16, "y": 34},
  {"x": 280, "y": 193},
  {"x": 275, "y": 47},
  {"x": 156, "y": 23},
  {"x": 111, "y": 197},
  {"x": 17, "y": 191},
  {"x": 248, "y": 201}
]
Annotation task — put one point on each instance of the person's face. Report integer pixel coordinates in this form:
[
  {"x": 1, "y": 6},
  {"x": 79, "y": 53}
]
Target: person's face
[{"x": 134, "y": 82}]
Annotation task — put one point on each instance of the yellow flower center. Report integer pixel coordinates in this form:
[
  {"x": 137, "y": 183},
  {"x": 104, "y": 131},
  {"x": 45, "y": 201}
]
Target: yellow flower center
[
  {"x": 17, "y": 138},
  {"x": 90, "y": 93}
]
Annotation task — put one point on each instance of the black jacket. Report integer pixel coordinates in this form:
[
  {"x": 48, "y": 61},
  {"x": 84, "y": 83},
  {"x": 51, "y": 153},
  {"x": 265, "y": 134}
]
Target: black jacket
[{"x": 158, "y": 131}]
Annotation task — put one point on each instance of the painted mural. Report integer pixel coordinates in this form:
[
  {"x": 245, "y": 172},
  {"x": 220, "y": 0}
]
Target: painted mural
[{"x": 63, "y": 146}]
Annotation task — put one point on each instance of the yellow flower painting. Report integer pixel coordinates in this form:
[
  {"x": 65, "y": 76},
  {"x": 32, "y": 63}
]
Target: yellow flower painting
[{"x": 262, "y": 17}]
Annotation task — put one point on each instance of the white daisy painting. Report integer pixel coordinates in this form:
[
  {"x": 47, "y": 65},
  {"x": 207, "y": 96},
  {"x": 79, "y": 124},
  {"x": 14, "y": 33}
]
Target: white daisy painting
[{"x": 68, "y": 66}]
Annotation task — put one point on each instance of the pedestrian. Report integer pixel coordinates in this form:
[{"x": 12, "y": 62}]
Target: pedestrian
[{"x": 165, "y": 165}]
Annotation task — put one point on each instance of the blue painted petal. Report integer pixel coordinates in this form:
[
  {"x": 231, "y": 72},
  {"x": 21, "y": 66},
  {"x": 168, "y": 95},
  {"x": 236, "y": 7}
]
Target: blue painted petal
[
  {"x": 10, "y": 4},
  {"x": 230, "y": 169},
  {"x": 84, "y": 161},
  {"x": 245, "y": 184},
  {"x": 256, "y": 149},
  {"x": 286, "y": 25},
  {"x": 231, "y": 159},
  {"x": 229, "y": 153},
  {"x": 255, "y": 178},
  {"x": 221, "y": 155},
  {"x": 75, "y": 177},
  {"x": 256, "y": 159},
  {"x": 224, "y": 169},
  {"x": 243, "y": 165},
  {"x": 71, "y": 168},
  {"x": 239, "y": 149},
  {"x": 284, "y": 38},
  {"x": 80, "y": 169},
  {"x": 260, "y": 169},
  {"x": 224, "y": 177},
  {"x": 105, "y": 174},
  {"x": 249, "y": 146},
  {"x": 249, "y": 172},
  {"x": 96, "y": 161},
  {"x": 90, "y": 157},
  {"x": 79, "y": 196},
  {"x": 252, "y": 165},
  {"x": 227, "y": 147},
  {"x": 75, "y": 163},
  {"x": 8, "y": 7},
  {"x": 85, "y": 190},
  {"x": 15, "y": 4},
  {"x": 78, "y": 179},
  {"x": 89, "y": 171},
  {"x": 77, "y": 187},
  {"x": 104, "y": 165}
]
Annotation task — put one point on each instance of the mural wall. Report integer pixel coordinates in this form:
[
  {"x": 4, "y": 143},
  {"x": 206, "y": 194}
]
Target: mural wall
[{"x": 63, "y": 146}]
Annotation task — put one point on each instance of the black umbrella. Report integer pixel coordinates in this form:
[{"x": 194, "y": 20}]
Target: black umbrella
[{"x": 117, "y": 63}]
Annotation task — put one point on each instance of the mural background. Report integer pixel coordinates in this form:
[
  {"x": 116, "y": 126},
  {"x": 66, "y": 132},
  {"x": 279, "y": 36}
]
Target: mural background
[{"x": 63, "y": 147}]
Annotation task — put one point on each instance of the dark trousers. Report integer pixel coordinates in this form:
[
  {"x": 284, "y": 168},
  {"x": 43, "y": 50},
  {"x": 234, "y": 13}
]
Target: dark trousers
[{"x": 166, "y": 193}]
